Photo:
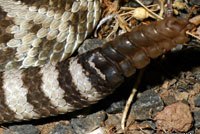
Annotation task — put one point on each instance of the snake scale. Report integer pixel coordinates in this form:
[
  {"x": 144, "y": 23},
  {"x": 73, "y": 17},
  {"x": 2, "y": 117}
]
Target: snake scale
[{"x": 36, "y": 34}]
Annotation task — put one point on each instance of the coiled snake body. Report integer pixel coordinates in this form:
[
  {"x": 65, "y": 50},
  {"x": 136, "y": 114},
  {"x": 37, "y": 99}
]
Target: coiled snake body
[{"x": 33, "y": 34}]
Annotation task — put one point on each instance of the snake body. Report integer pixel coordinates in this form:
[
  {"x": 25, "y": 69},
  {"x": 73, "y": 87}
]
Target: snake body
[
  {"x": 34, "y": 33},
  {"x": 75, "y": 83}
]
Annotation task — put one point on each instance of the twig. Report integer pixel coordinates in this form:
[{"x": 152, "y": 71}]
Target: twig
[
  {"x": 123, "y": 24},
  {"x": 161, "y": 7},
  {"x": 102, "y": 21},
  {"x": 191, "y": 11},
  {"x": 114, "y": 29},
  {"x": 130, "y": 99},
  {"x": 132, "y": 8},
  {"x": 197, "y": 37}
]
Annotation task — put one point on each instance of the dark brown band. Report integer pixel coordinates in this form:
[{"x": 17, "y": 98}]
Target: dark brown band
[
  {"x": 71, "y": 96},
  {"x": 32, "y": 80}
]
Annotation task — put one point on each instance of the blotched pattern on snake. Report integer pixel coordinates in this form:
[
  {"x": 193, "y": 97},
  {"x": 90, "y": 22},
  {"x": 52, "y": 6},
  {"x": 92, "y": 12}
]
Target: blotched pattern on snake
[{"x": 34, "y": 35}]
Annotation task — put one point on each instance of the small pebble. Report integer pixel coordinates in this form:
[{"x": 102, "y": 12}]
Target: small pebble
[
  {"x": 146, "y": 106},
  {"x": 22, "y": 129},
  {"x": 81, "y": 125},
  {"x": 89, "y": 123},
  {"x": 196, "y": 72},
  {"x": 113, "y": 120},
  {"x": 184, "y": 87},
  {"x": 116, "y": 107},
  {"x": 194, "y": 2},
  {"x": 197, "y": 100},
  {"x": 135, "y": 4},
  {"x": 168, "y": 97},
  {"x": 90, "y": 44},
  {"x": 197, "y": 119},
  {"x": 150, "y": 123},
  {"x": 176, "y": 117},
  {"x": 63, "y": 129},
  {"x": 100, "y": 130}
]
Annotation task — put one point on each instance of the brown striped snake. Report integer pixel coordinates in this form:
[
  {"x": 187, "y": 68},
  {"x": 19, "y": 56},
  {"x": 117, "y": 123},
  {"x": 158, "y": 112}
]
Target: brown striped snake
[{"x": 36, "y": 37}]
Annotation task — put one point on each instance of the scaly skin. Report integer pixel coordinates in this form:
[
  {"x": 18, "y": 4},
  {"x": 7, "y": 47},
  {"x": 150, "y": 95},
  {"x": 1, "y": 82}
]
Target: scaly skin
[
  {"x": 36, "y": 32},
  {"x": 80, "y": 81}
]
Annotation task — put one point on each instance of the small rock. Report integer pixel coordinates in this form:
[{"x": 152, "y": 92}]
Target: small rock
[
  {"x": 198, "y": 78},
  {"x": 146, "y": 106},
  {"x": 88, "y": 124},
  {"x": 194, "y": 2},
  {"x": 182, "y": 96},
  {"x": 113, "y": 120},
  {"x": 22, "y": 129},
  {"x": 190, "y": 132},
  {"x": 168, "y": 96},
  {"x": 90, "y": 44},
  {"x": 177, "y": 48},
  {"x": 197, "y": 131},
  {"x": 100, "y": 130},
  {"x": 150, "y": 123},
  {"x": 135, "y": 4},
  {"x": 63, "y": 129},
  {"x": 197, "y": 119},
  {"x": 197, "y": 100},
  {"x": 196, "y": 72},
  {"x": 184, "y": 88},
  {"x": 175, "y": 117},
  {"x": 116, "y": 107}
]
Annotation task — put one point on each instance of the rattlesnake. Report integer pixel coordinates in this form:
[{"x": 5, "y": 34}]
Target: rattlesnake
[
  {"x": 46, "y": 89},
  {"x": 33, "y": 33}
]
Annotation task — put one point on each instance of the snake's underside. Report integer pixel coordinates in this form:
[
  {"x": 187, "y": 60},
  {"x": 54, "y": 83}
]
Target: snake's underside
[{"x": 34, "y": 34}]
